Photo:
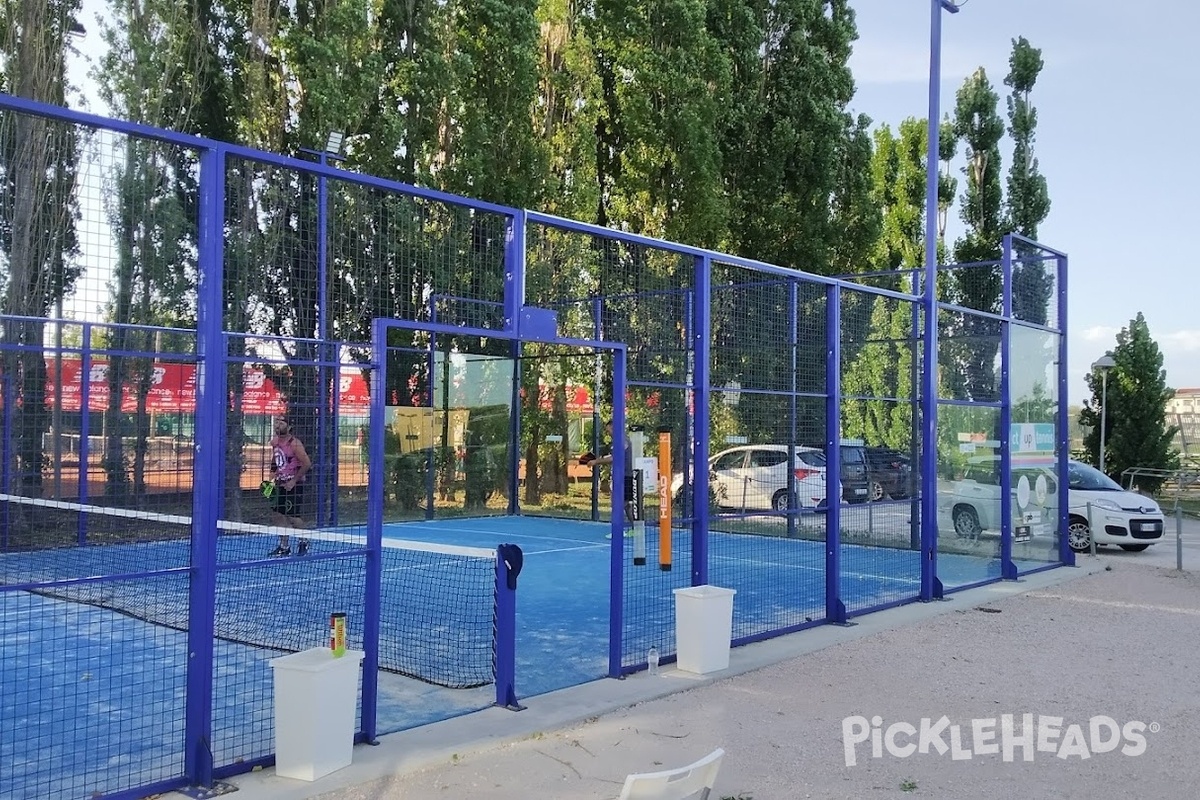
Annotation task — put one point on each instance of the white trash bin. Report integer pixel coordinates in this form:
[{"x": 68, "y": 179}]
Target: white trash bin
[
  {"x": 316, "y": 703},
  {"x": 703, "y": 628}
]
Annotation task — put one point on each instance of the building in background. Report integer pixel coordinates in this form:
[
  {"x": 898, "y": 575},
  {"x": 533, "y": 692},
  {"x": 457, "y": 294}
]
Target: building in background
[{"x": 1183, "y": 411}]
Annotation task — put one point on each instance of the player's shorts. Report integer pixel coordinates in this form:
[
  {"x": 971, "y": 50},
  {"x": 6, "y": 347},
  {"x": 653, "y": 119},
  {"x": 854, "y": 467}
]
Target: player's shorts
[{"x": 289, "y": 502}]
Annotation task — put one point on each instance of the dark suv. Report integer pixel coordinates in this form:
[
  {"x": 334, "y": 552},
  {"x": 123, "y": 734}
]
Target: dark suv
[
  {"x": 888, "y": 473},
  {"x": 854, "y": 471}
]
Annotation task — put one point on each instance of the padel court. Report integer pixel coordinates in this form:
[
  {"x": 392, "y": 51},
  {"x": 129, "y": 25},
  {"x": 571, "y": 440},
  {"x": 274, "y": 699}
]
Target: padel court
[
  {"x": 437, "y": 624},
  {"x": 447, "y": 361}
]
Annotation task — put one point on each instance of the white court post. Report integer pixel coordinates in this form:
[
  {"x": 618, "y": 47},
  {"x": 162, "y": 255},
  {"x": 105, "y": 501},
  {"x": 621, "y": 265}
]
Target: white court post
[{"x": 637, "y": 447}]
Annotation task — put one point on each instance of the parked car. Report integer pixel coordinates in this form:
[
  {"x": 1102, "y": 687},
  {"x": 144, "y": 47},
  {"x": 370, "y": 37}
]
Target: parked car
[
  {"x": 889, "y": 473},
  {"x": 754, "y": 477},
  {"x": 971, "y": 504},
  {"x": 855, "y": 485},
  {"x": 1127, "y": 519},
  {"x": 1123, "y": 518}
]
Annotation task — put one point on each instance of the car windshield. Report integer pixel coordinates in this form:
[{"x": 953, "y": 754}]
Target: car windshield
[
  {"x": 813, "y": 458},
  {"x": 1091, "y": 479}
]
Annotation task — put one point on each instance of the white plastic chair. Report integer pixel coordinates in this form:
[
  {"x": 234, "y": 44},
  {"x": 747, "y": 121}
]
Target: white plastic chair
[{"x": 675, "y": 784}]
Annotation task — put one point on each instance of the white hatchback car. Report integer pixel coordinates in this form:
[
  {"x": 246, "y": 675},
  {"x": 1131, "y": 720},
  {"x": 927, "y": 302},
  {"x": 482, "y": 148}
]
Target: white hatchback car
[
  {"x": 1118, "y": 517},
  {"x": 1127, "y": 519},
  {"x": 755, "y": 477}
]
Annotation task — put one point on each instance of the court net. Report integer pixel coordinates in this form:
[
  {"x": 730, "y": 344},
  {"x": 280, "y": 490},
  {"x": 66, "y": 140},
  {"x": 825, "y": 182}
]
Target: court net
[{"x": 437, "y": 602}]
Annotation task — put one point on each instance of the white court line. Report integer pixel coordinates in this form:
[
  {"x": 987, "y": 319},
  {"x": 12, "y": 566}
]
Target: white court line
[
  {"x": 1191, "y": 612},
  {"x": 820, "y": 569},
  {"x": 490, "y": 532}
]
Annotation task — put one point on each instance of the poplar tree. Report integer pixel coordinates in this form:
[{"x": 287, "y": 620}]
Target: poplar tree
[{"x": 1136, "y": 430}]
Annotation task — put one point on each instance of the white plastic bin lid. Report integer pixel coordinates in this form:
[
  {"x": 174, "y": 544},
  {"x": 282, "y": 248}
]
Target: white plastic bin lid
[
  {"x": 705, "y": 592},
  {"x": 316, "y": 659}
]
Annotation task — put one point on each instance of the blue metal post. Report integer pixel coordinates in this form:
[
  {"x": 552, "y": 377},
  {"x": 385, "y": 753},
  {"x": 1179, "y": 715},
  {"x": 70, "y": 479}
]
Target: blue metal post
[
  {"x": 375, "y": 498},
  {"x": 514, "y": 271},
  {"x": 794, "y": 341},
  {"x": 514, "y": 300},
  {"x": 702, "y": 346},
  {"x": 916, "y": 493},
  {"x": 930, "y": 586},
  {"x": 835, "y": 609},
  {"x": 1066, "y": 554},
  {"x": 506, "y": 637},
  {"x": 597, "y": 422},
  {"x": 1008, "y": 569},
  {"x": 210, "y": 449},
  {"x": 334, "y": 460},
  {"x": 85, "y": 427},
  {"x": 689, "y": 413},
  {"x": 616, "y": 566},
  {"x": 10, "y": 404},
  {"x": 327, "y": 447},
  {"x": 430, "y": 459}
]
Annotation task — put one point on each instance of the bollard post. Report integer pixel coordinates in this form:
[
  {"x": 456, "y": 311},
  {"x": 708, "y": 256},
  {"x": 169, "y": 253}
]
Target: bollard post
[
  {"x": 1178, "y": 536},
  {"x": 870, "y": 514},
  {"x": 1091, "y": 530}
]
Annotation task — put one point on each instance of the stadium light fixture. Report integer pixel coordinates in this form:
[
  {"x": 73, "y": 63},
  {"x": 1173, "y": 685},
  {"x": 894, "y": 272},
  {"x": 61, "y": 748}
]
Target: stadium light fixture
[{"x": 333, "y": 144}]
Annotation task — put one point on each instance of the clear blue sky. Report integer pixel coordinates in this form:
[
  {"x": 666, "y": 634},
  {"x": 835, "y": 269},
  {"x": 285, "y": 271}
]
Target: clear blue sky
[
  {"x": 1117, "y": 119},
  {"x": 1116, "y": 140}
]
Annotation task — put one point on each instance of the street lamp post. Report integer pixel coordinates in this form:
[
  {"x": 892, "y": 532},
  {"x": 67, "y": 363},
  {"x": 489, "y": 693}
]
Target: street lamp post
[
  {"x": 929, "y": 302},
  {"x": 327, "y": 451},
  {"x": 1104, "y": 364}
]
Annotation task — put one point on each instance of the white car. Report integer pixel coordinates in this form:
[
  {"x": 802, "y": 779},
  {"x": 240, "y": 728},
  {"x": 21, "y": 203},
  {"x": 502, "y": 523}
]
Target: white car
[
  {"x": 1127, "y": 519},
  {"x": 755, "y": 477},
  {"x": 1119, "y": 517}
]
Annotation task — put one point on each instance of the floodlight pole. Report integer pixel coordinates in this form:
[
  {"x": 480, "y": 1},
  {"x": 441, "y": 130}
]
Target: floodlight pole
[
  {"x": 930, "y": 586},
  {"x": 331, "y": 151},
  {"x": 1103, "y": 412},
  {"x": 1104, "y": 364}
]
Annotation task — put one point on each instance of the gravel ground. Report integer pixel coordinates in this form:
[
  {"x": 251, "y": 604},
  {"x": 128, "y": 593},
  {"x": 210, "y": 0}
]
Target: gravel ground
[{"x": 1119, "y": 642}]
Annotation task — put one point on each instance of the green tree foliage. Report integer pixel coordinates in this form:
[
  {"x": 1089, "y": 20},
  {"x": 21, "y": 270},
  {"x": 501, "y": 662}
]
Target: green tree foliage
[
  {"x": 1136, "y": 430},
  {"x": 791, "y": 138},
  {"x": 796, "y": 171},
  {"x": 1028, "y": 198},
  {"x": 38, "y": 161},
  {"x": 497, "y": 154},
  {"x": 978, "y": 126},
  {"x": 884, "y": 366},
  {"x": 147, "y": 76},
  {"x": 662, "y": 75},
  {"x": 970, "y": 342},
  {"x": 898, "y": 188}
]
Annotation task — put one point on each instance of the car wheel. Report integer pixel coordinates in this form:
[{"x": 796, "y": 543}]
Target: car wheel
[
  {"x": 780, "y": 501},
  {"x": 1079, "y": 535},
  {"x": 966, "y": 522},
  {"x": 875, "y": 491},
  {"x": 1134, "y": 548}
]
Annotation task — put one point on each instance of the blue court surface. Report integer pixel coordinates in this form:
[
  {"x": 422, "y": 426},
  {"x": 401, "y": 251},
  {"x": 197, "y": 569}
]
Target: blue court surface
[{"x": 96, "y": 697}]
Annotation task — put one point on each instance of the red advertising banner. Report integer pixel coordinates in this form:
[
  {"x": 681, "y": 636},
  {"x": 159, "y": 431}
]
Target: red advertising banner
[
  {"x": 173, "y": 389},
  {"x": 579, "y": 399}
]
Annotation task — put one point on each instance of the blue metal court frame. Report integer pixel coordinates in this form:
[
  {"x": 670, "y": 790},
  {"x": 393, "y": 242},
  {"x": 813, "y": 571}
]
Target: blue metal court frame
[{"x": 524, "y": 322}]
